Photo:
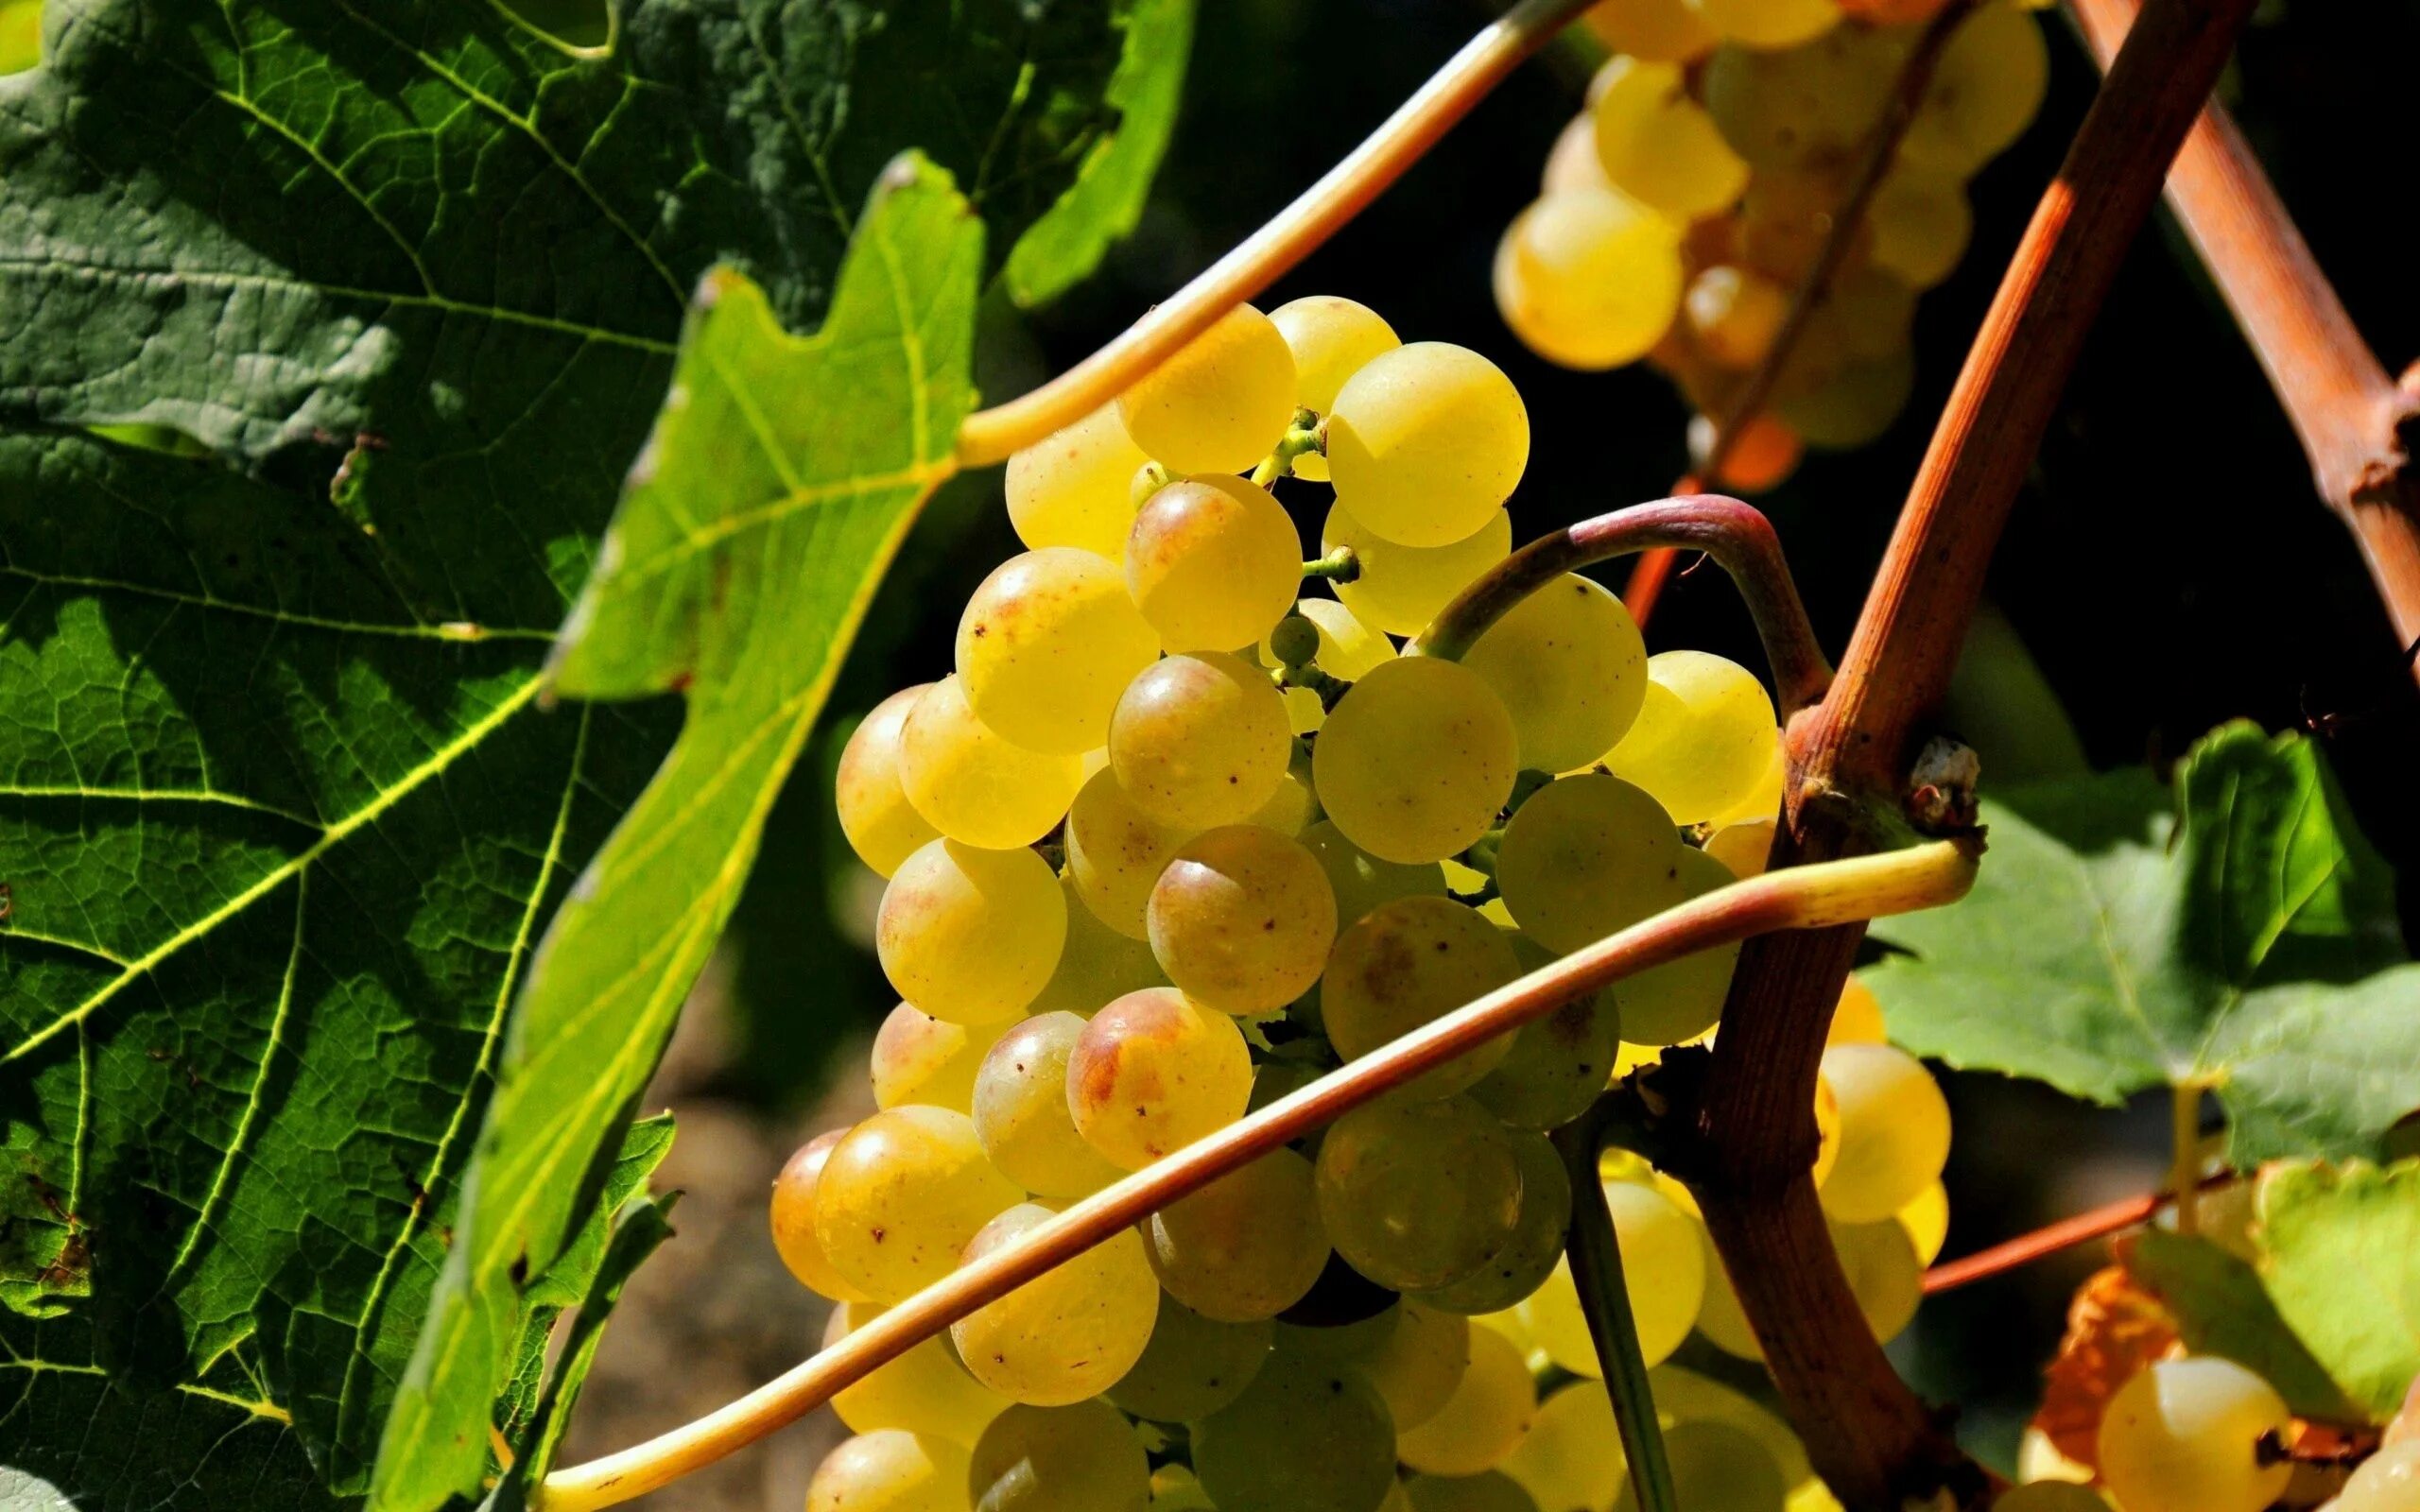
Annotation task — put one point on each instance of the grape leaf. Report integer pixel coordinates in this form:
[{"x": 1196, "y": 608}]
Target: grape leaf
[
  {"x": 2239, "y": 936},
  {"x": 2222, "y": 1308},
  {"x": 2340, "y": 1249}
]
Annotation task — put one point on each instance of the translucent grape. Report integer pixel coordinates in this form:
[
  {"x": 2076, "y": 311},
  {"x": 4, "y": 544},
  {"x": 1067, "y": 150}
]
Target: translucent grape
[
  {"x": 2185, "y": 1435},
  {"x": 1984, "y": 92},
  {"x": 1662, "y": 1273},
  {"x": 1153, "y": 1073},
  {"x": 1425, "y": 441},
  {"x": 1702, "y": 739},
  {"x": 1884, "y": 1274},
  {"x": 1922, "y": 224},
  {"x": 1490, "y": 1492},
  {"x": 1585, "y": 856},
  {"x": 1076, "y": 487},
  {"x": 1589, "y": 279},
  {"x": 971, "y": 782},
  {"x": 1401, "y": 587},
  {"x": 1078, "y": 1458},
  {"x": 1414, "y": 1355},
  {"x": 1200, "y": 741},
  {"x": 1743, "y": 847},
  {"x": 970, "y": 936},
  {"x": 1734, "y": 314},
  {"x": 1566, "y": 1461},
  {"x": 1019, "y": 1102},
  {"x": 919, "y": 1058},
  {"x": 924, "y": 1390},
  {"x": 1478, "y": 1426},
  {"x": 1556, "y": 1065},
  {"x": 1363, "y": 882},
  {"x": 1680, "y": 1000},
  {"x": 901, "y": 1195},
  {"x": 1767, "y": 23},
  {"x": 1763, "y": 801},
  {"x": 1097, "y": 966},
  {"x": 1299, "y": 1440},
  {"x": 792, "y": 1212},
  {"x": 1176, "y": 1488},
  {"x": 891, "y": 1470},
  {"x": 1787, "y": 218},
  {"x": 1406, "y": 963},
  {"x": 1222, "y": 404},
  {"x": 1766, "y": 454},
  {"x": 1068, "y": 1333},
  {"x": 1417, "y": 1195},
  {"x": 1790, "y": 108},
  {"x": 1855, "y": 406},
  {"x": 1716, "y": 1468},
  {"x": 1664, "y": 32},
  {"x": 2066, "y": 1496},
  {"x": 1684, "y": 1396},
  {"x": 1332, "y": 339},
  {"x": 1572, "y": 161},
  {"x": 1193, "y": 1366},
  {"x": 1894, "y": 1131},
  {"x": 1927, "y": 1221},
  {"x": 1660, "y": 146},
  {"x": 1570, "y": 668},
  {"x": 1046, "y": 643},
  {"x": 2388, "y": 1481},
  {"x": 1246, "y": 1246},
  {"x": 1522, "y": 1263},
  {"x": 1416, "y": 761},
  {"x": 1293, "y": 807},
  {"x": 1242, "y": 919},
  {"x": 1721, "y": 1317},
  {"x": 1347, "y": 648},
  {"x": 1115, "y": 851},
  {"x": 883, "y": 828},
  {"x": 1213, "y": 562}
]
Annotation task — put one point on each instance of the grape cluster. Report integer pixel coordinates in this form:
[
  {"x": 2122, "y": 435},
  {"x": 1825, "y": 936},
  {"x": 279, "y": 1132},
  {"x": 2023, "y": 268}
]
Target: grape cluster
[
  {"x": 1684, "y": 208},
  {"x": 1170, "y": 841}
]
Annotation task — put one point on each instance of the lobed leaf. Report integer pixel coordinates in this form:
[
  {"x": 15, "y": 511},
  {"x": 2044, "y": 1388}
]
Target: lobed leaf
[{"x": 2340, "y": 1249}]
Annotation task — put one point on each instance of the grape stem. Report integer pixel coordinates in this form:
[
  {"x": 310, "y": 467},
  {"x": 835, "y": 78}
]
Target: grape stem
[
  {"x": 1736, "y": 535},
  {"x": 2082, "y": 1228},
  {"x": 1596, "y": 1254},
  {"x": 1267, "y": 254},
  {"x": 1342, "y": 565},
  {"x": 1811, "y": 897}
]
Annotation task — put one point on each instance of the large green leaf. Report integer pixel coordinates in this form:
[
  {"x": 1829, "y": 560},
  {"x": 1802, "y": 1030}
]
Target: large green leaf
[
  {"x": 2222, "y": 1308},
  {"x": 2239, "y": 936},
  {"x": 2340, "y": 1252}
]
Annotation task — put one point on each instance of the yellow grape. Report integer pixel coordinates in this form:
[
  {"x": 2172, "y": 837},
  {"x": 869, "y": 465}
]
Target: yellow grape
[
  {"x": 1662, "y": 31},
  {"x": 1401, "y": 587},
  {"x": 970, "y": 936},
  {"x": 1416, "y": 1196},
  {"x": 1743, "y": 847},
  {"x": 919, "y": 1058},
  {"x": 1585, "y": 856},
  {"x": 891, "y": 1470},
  {"x": 1332, "y": 339},
  {"x": 1419, "y": 1363},
  {"x": 1045, "y": 645},
  {"x": 1361, "y": 881},
  {"x": 1856, "y": 1019},
  {"x": 883, "y": 828},
  {"x": 924, "y": 1390},
  {"x": 1078, "y": 1458},
  {"x": 1213, "y": 562},
  {"x": 1193, "y": 1366},
  {"x": 1076, "y": 487},
  {"x": 1767, "y": 23},
  {"x": 1068, "y": 1333},
  {"x": 1568, "y": 1460},
  {"x": 1570, "y": 668},
  {"x": 2185, "y": 1435},
  {"x": 1153, "y": 1072},
  {"x": 1662, "y": 1272},
  {"x": 1716, "y": 1468},
  {"x": 1660, "y": 146},
  {"x": 1199, "y": 740},
  {"x": 974, "y": 784},
  {"x": 1347, "y": 648},
  {"x": 1485, "y": 1418},
  {"x": 1557, "y": 1064},
  {"x": 2388, "y": 1481},
  {"x": 1810, "y": 104},
  {"x": 1522, "y": 1263},
  {"x": 1293, "y": 806},
  {"x": 1416, "y": 761},
  {"x": 1425, "y": 442},
  {"x": 1315, "y": 1438},
  {"x": 901, "y": 1195},
  {"x": 1894, "y": 1131},
  {"x": 792, "y": 1212},
  {"x": 1763, "y": 800},
  {"x": 1176, "y": 1488},
  {"x": 1680, "y": 1000},
  {"x": 1246, "y": 1246},
  {"x": 1720, "y": 1318},
  {"x": 1684, "y": 1396},
  {"x": 1489, "y": 1491},
  {"x": 1572, "y": 161},
  {"x": 1115, "y": 850},
  {"x": 1926, "y": 1220},
  {"x": 1703, "y": 737},
  {"x": 1922, "y": 224},
  {"x": 1097, "y": 965},
  {"x": 1856, "y": 404},
  {"x": 1735, "y": 313},
  {"x": 1404, "y": 965},
  {"x": 1984, "y": 92},
  {"x": 1021, "y": 1114},
  {"x": 1242, "y": 919},
  {"x": 1887, "y": 1279},
  {"x": 1221, "y": 402},
  {"x": 1589, "y": 279}
]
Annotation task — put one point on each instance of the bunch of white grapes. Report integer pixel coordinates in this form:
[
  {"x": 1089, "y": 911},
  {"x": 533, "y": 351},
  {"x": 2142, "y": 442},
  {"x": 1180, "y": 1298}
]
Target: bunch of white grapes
[
  {"x": 1171, "y": 840},
  {"x": 1686, "y": 205}
]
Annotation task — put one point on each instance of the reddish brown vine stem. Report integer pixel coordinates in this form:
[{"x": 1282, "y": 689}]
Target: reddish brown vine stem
[
  {"x": 2082, "y": 1228},
  {"x": 1751, "y": 1128}
]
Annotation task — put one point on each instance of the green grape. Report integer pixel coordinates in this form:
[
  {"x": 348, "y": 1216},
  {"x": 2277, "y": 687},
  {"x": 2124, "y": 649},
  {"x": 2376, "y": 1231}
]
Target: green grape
[
  {"x": 1220, "y": 404},
  {"x": 971, "y": 782},
  {"x": 1289, "y": 810},
  {"x": 1662, "y": 31},
  {"x": 1522, "y": 1263},
  {"x": 1153, "y": 1072},
  {"x": 2388, "y": 1481},
  {"x": 1716, "y": 1468},
  {"x": 1767, "y": 23},
  {"x": 1662, "y": 1273},
  {"x": 1894, "y": 1131},
  {"x": 891, "y": 1470},
  {"x": 1557, "y": 1064},
  {"x": 1884, "y": 1274},
  {"x": 1492, "y": 1491},
  {"x": 792, "y": 1212},
  {"x": 970, "y": 936},
  {"x": 1922, "y": 224},
  {"x": 1416, "y": 761},
  {"x": 1078, "y": 1459},
  {"x": 1680, "y": 1000},
  {"x": 1425, "y": 442},
  {"x": 1350, "y": 1342},
  {"x": 1246, "y": 1246},
  {"x": 924, "y": 1390},
  {"x": 1200, "y": 741},
  {"x": 1045, "y": 645},
  {"x": 1702, "y": 740},
  {"x": 1308, "y": 1439},
  {"x": 1404, "y": 965},
  {"x": 1585, "y": 856},
  {"x": 1213, "y": 562},
  {"x": 1347, "y": 649},
  {"x": 1589, "y": 279},
  {"x": 1417, "y": 1195},
  {"x": 1401, "y": 587},
  {"x": 883, "y": 828},
  {"x": 1193, "y": 1366},
  {"x": 2187, "y": 1435},
  {"x": 1734, "y": 314},
  {"x": 1115, "y": 851},
  {"x": 1019, "y": 1102},
  {"x": 1984, "y": 92},
  {"x": 1660, "y": 146},
  {"x": 1855, "y": 406},
  {"x": 901, "y": 1195},
  {"x": 1478, "y": 1426},
  {"x": 919, "y": 1058},
  {"x": 2066, "y": 1496},
  {"x": 1363, "y": 882},
  {"x": 1570, "y": 668},
  {"x": 1332, "y": 339},
  {"x": 1242, "y": 919},
  {"x": 1076, "y": 487},
  {"x": 1569, "y": 1460},
  {"x": 1420, "y": 1363},
  {"x": 1793, "y": 108},
  {"x": 1572, "y": 161},
  {"x": 1068, "y": 1333},
  {"x": 1097, "y": 966}
]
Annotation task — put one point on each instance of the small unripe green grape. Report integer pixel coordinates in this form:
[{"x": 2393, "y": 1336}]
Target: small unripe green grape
[
  {"x": 1418, "y": 1195},
  {"x": 792, "y": 1211},
  {"x": 1332, "y": 339},
  {"x": 1153, "y": 1072},
  {"x": 1070, "y": 1332},
  {"x": 1703, "y": 737},
  {"x": 1589, "y": 279},
  {"x": 1660, "y": 146},
  {"x": 2388, "y": 1481},
  {"x": 901, "y": 1195},
  {"x": 1115, "y": 850},
  {"x": 891, "y": 1470},
  {"x": 1806, "y": 105},
  {"x": 1361, "y": 881},
  {"x": 1343, "y": 646},
  {"x": 1485, "y": 1418},
  {"x": 1562, "y": 1461},
  {"x": 1985, "y": 90},
  {"x": 1680, "y": 1000},
  {"x": 1734, "y": 314},
  {"x": 1045, "y": 645},
  {"x": 1894, "y": 1131},
  {"x": 1522, "y": 1263},
  {"x": 1221, "y": 402},
  {"x": 1245, "y": 1248},
  {"x": 1405, "y": 965},
  {"x": 1078, "y": 1458},
  {"x": 1308, "y": 1439},
  {"x": 1922, "y": 223},
  {"x": 1885, "y": 1276},
  {"x": 1075, "y": 488},
  {"x": 2067, "y": 1496},
  {"x": 1199, "y": 740},
  {"x": 1193, "y": 1366},
  {"x": 972, "y": 784},
  {"x": 1662, "y": 1272},
  {"x": 1416, "y": 761},
  {"x": 1097, "y": 966},
  {"x": 1021, "y": 1114},
  {"x": 2185, "y": 1435},
  {"x": 1767, "y": 23},
  {"x": 1401, "y": 587},
  {"x": 1212, "y": 562},
  {"x": 1556, "y": 1065},
  {"x": 924, "y": 1390},
  {"x": 883, "y": 828},
  {"x": 1717, "y": 1468},
  {"x": 1425, "y": 442},
  {"x": 1856, "y": 404},
  {"x": 1492, "y": 1491},
  {"x": 919, "y": 1058},
  {"x": 1571, "y": 669},
  {"x": 1662, "y": 31},
  {"x": 1241, "y": 920},
  {"x": 1585, "y": 856},
  {"x": 970, "y": 936}
]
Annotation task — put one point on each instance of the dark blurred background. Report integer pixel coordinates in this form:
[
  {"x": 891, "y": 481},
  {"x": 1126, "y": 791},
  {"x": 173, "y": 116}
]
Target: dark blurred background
[{"x": 2168, "y": 568}]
